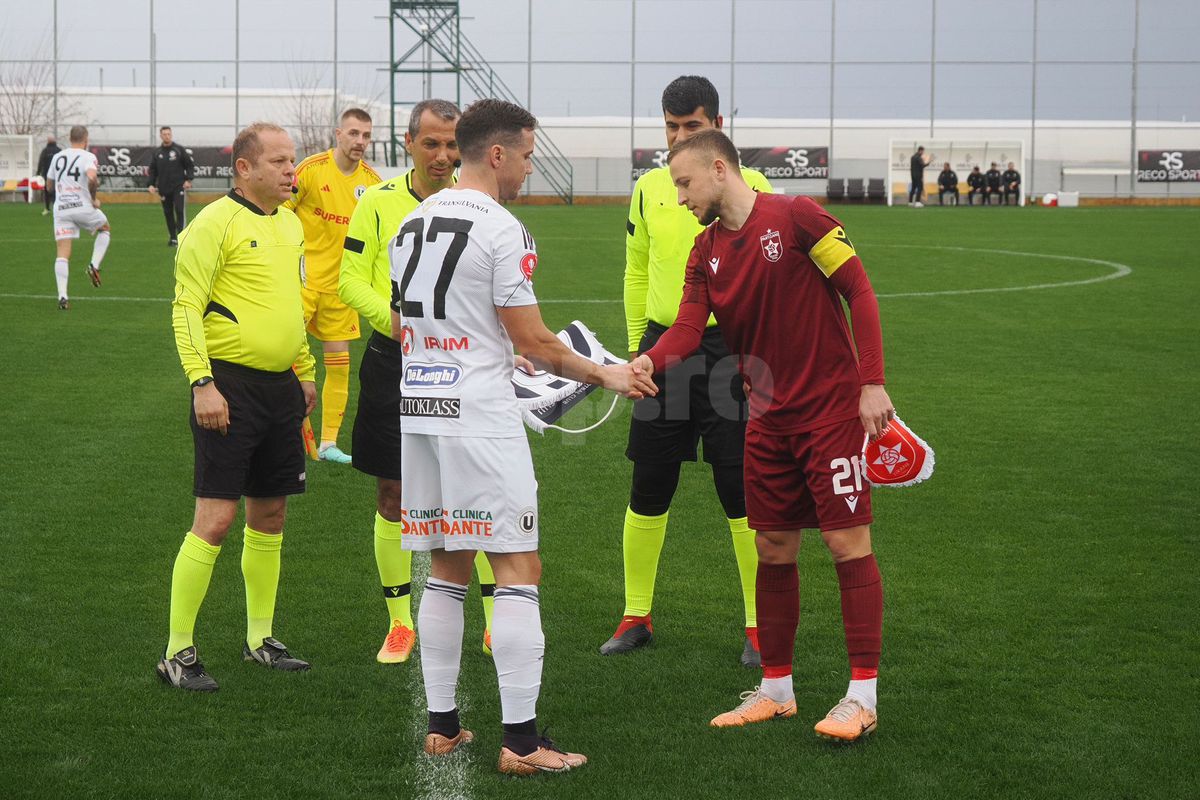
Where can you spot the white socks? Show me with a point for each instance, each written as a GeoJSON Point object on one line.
{"type": "Point", "coordinates": [778, 689]}
{"type": "Point", "coordinates": [62, 271]}
{"type": "Point", "coordinates": [863, 692]}
{"type": "Point", "coordinates": [100, 248]}
{"type": "Point", "coordinates": [517, 648]}
{"type": "Point", "coordinates": [440, 621]}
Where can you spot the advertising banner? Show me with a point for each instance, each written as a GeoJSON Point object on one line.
{"type": "Point", "coordinates": [773, 162]}
{"type": "Point", "coordinates": [1168, 166]}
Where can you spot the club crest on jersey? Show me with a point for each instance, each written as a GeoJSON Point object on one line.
{"type": "Point", "coordinates": [358, 191]}
{"type": "Point", "coordinates": [528, 265]}
{"type": "Point", "coordinates": [772, 245]}
{"type": "Point", "coordinates": [406, 339]}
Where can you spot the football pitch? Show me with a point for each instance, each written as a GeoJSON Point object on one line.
{"type": "Point", "coordinates": [1040, 629]}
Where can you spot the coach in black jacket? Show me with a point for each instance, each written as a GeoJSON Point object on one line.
{"type": "Point", "coordinates": [947, 184]}
{"type": "Point", "coordinates": [994, 185]}
{"type": "Point", "coordinates": [976, 182]}
{"type": "Point", "coordinates": [1012, 184]}
{"type": "Point", "coordinates": [47, 155]}
{"type": "Point", "coordinates": [171, 173]}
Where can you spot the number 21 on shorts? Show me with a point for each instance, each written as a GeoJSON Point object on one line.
{"type": "Point", "coordinates": [848, 468]}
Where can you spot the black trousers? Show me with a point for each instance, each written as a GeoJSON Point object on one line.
{"type": "Point", "coordinates": [48, 198]}
{"type": "Point", "coordinates": [173, 204]}
{"type": "Point", "coordinates": [971, 195]}
{"type": "Point", "coordinates": [1015, 194]}
{"type": "Point", "coordinates": [952, 191]}
{"type": "Point", "coordinates": [916, 188]}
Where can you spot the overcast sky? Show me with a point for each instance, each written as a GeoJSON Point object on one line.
{"type": "Point", "coordinates": [769, 58]}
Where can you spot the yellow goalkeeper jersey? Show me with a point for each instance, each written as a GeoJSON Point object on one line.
{"type": "Point", "coordinates": [324, 201]}
{"type": "Point", "coordinates": [660, 233]}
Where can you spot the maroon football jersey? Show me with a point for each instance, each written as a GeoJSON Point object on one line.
{"type": "Point", "coordinates": [774, 287]}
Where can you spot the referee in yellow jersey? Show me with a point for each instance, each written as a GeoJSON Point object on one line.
{"type": "Point", "coordinates": [703, 403]}
{"type": "Point", "coordinates": [366, 286]}
{"type": "Point", "coordinates": [239, 329]}
{"type": "Point", "coordinates": [328, 186]}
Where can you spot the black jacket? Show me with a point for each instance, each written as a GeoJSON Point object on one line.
{"type": "Point", "coordinates": [1011, 177]}
{"type": "Point", "coordinates": [169, 168]}
{"type": "Point", "coordinates": [48, 153]}
{"type": "Point", "coordinates": [993, 178]}
{"type": "Point", "coordinates": [975, 180]}
{"type": "Point", "coordinates": [948, 179]}
{"type": "Point", "coordinates": [916, 165]}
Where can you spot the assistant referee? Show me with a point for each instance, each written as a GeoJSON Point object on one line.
{"type": "Point", "coordinates": [365, 285]}
{"type": "Point", "coordinates": [239, 329]}
{"type": "Point", "coordinates": [705, 404]}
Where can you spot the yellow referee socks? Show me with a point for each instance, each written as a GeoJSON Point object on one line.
{"type": "Point", "coordinates": [395, 570]}
{"type": "Point", "coordinates": [747, 562]}
{"type": "Point", "coordinates": [642, 545]}
{"type": "Point", "coordinates": [487, 586]}
{"type": "Point", "coordinates": [260, 568]}
{"type": "Point", "coordinates": [189, 583]}
{"type": "Point", "coordinates": [334, 394]}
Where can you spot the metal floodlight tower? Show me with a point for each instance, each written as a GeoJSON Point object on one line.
{"type": "Point", "coordinates": [438, 49]}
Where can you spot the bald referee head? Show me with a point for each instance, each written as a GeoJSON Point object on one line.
{"type": "Point", "coordinates": [264, 165]}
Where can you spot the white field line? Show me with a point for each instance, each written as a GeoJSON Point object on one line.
{"type": "Point", "coordinates": [1118, 270]}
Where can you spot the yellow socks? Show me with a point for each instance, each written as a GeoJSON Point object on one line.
{"type": "Point", "coordinates": [642, 545]}
{"type": "Point", "coordinates": [395, 570]}
{"type": "Point", "coordinates": [747, 562]}
{"type": "Point", "coordinates": [189, 584]}
{"type": "Point", "coordinates": [260, 568]}
{"type": "Point", "coordinates": [334, 394]}
{"type": "Point", "coordinates": [487, 586]}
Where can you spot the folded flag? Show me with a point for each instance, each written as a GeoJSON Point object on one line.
{"type": "Point", "coordinates": [544, 398]}
{"type": "Point", "coordinates": [897, 457]}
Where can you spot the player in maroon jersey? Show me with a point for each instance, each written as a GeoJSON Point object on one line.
{"type": "Point", "coordinates": [773, 269]}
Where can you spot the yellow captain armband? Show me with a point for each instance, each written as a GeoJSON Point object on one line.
{"type": "Point", "coordinates": [832, 251]}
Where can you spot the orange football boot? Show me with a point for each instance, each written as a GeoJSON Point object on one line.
{"type": "Point", "coordinates": [755, 707]}
{"type": "Point", "coordinates": [848, 721]}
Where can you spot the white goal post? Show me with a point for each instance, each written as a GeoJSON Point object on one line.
{"type": "Point", "coordinates": [963, 155]}
{"type": "Point", "coordinates": [16, 163]}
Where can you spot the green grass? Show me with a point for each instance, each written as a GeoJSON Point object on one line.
{"type": "Point", "coordinates": [1041, 615]}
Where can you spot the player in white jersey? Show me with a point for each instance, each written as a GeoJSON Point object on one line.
{"type": "Point", "coordinates": [462, 296]}
{"type": "Point", "coordinates": [74, 178]}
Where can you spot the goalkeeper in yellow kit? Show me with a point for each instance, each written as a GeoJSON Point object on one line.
{"type": "Point", "coordinates": [327, 188]}
{"type": "Point", "coordinates": [365, 285]}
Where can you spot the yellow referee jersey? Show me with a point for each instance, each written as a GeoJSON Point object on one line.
{"type": "Point", "coordinates": [660, 233]}
{"type": "Point", "coordinates": [365, 283]}
{"type": "Point", "coordinates": [237, 290]}
{"type": "Point", "coordinates": [325, 201]}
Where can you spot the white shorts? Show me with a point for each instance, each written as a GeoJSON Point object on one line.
{"type": "Point", "coordinates": [467, 493]}
{"type": "Point", "coordinates": [67, 223]}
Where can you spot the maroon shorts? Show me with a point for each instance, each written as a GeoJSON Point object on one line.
{"type": "Point", "coordinates": [807, 480]}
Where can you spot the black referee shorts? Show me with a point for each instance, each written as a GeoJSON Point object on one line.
{"type": "Point", "coordinates": [701, 398]}
{"type": "Point", "coordinates": [376, 436]}
{"type": "Point", "coordinates": [262, 455]}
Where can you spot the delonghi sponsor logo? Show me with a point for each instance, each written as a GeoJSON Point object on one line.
{"type": "Point", "coordinates": [432, 376]}
{"type": "Point", "coordinates": [445, 407]}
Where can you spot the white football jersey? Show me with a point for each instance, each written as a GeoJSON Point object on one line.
{"type": "Point", "coordinates": [457, 257]}
{"type": "Point", "coordinates": [68, 170]}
